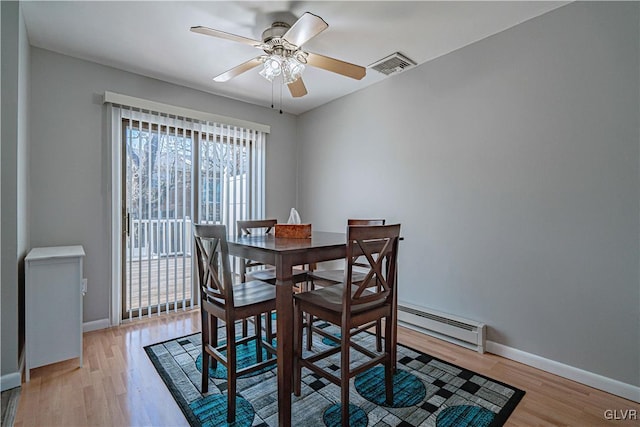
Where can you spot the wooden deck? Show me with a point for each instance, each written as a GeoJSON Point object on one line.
{"type": "Point", "coordinates": [157, 283]}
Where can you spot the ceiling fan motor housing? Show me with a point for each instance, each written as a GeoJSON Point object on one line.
{"type": "Point", "coordinates": [276, 31]}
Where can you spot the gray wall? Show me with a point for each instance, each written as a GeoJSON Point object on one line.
{"type": "Point", "coordinates": [69, 160]}
{"type": "Point", "coordinates": [15, 146]}
{"type": "Point", "coordinates": [9, 277]}
{"type": "Point", "coordinates": [23, 192]}
{"type": "Point", "coordinates": [513, 166]}
{"type": "Point", "coordinates": [15, 212]}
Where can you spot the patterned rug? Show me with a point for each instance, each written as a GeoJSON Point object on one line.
{"type": "Point", "coordinates": [427, 391]}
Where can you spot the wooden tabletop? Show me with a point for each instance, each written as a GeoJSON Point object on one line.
{"type": "Point", "coordinates": [282, 244]}
{"type": "Point", "coordinates": [322, 246]}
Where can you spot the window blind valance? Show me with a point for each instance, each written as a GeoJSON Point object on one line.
{"type": "Point", "coordinates": [145, 104]}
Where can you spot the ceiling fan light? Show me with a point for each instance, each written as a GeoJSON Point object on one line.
{"type": "Point", "coordinates": [274, 62]}
{"type": "Point", "coordinates": [272, 68]}
{"type": "Point", "coordinates": [266, 75]}
{"type": "Point", "coordinates": [292, 70]}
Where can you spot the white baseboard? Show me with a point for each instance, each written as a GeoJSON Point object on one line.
{"type": "Point", "coordinates": [9, 381]}
{"type": "Point", "coordinates": [95, 325]}
{"type": "Point", "coordinates": [14, 379]}
{"type": "Point", "coordinates": [627, 391]}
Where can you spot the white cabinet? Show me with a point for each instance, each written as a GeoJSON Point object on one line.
{"type": "Point", "coordinates": [53, 305]}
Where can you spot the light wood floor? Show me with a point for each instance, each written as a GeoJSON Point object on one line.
{"type": "Point", "coordinates": [118, 386]}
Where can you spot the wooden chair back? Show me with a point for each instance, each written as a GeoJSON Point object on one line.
{"type": "Point", "coordinates": [252, 227]}
{"type": "Point", "coordinates": [214, 271]}
{"type": "Point", "coordinates": [354, 221]}
{"type": "Point", "coordinates": [376, 248]}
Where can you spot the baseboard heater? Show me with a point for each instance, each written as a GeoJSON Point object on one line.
{"type": "Point", "coordinates": [465, 332]}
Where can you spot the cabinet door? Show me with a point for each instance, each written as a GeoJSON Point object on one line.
{"type": "Point", "coordinates": [54, 325]}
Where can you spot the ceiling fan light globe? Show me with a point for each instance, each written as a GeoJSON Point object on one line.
{"type": "Point", "coordinates": [273, 63]}
{"type": "Point", "coordinates": [272, 68]}
{"type": "Point", "coordinates": [268, 73]}
{"type": "Point", "coordinates": [292, 66]}
{"type": "Point", "coordinates": [295, 69]}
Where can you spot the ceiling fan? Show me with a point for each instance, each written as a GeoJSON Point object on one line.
{"type": "Point", "coordinates": [282, 44]}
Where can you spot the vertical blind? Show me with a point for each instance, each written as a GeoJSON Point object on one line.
{"type": "Point", "coordinates": [177, 171]}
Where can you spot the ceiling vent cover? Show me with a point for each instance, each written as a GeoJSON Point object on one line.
{"type": "Point", "coordinates": [393, 64]}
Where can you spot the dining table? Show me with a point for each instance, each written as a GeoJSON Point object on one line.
{"type": "Point", "coordinates": [284, 254]}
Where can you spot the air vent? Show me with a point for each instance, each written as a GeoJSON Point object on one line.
{"type": "Point", "coordinates": [393, 64]}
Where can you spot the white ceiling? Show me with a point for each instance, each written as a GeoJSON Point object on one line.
{"type": "Point", "coordinates": [153, 38]}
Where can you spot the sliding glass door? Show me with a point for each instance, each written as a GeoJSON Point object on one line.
{"type": "Point", "coordinates": [158, 203]}
{"type": "Point", "coordinates": [176, 172]}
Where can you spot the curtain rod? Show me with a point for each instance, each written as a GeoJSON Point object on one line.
{"type": "Point", "coordinates": [145, 104]}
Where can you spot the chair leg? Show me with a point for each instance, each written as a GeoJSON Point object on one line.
{"type": "Point", "coordinates": [204, 321]}
{"type": "Point", "coordinates": [344, 375]}
{"type": "Point", "coordinates": [204, 387]}
{"type": "Point", "coordinates": [245, 328]}
{"type": "Point", "coordinates": [309, 287]}
{"type": "Point", "coordinates": [297, 349]}
{"type": "Point", "coordinates": [213, 331]}
{"type": "Point", "coordinates": [231, 372]}
{"type": "Point", "coordinates": [379, 327]}
{"type": "Point", "coordinates": [388, 365]}
{"type": "Point", "coordinates": [258, 333]}
{"type": "Point", "coordinates": [243, 278]}
{"type": "Point", "coordinates": [269, 332]}
{"type": "Point", "coordinates": [309, 328]}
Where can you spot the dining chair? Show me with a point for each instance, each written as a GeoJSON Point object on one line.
{"type": "Point", "coordinates": [333, 277]}
{"type": "Point", "coordinates": [221, 299]}
{"type": "Point", "coordinates": [350, 305]}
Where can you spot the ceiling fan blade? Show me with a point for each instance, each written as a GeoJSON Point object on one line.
{"type": "Point", "coordinates": [223, 35]}
{"type": "Point", "coordinates": [337, 66]}
{"type": "Point", "coordinates": [236, 71]}
{"type": "Point", "coordinates": [297, 88]}
{"type": "Point", "coordinates": [304, 29]}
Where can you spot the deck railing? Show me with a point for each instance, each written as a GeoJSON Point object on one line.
{"type": "Point", "coordinates": [152, 238]}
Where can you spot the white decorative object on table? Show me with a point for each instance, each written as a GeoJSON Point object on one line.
{"type": "Point", "coordinates": [294, 217]}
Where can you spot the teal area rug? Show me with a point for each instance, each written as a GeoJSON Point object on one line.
{"type": "Point", "coordinates": [427, 391]}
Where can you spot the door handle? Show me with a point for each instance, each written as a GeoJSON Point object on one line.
{"type": "Point", "coordinates": [127, 222]}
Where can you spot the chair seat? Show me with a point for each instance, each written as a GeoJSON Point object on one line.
{"type": "Point", "coordinates": [330, 298]}
{"type": "Point", "coordinates": [251, 293]}
{"type": "Point", "coordinates": [335, 276]}
{"type": "Point", "coordinates": [269, 275]}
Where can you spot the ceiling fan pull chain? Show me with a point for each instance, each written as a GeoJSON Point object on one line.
{"type": "Point", "coordinates": [281, 94]}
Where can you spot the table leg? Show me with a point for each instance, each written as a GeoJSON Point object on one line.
{"type": "Point", "coordinates": [394, 327]}
{"type": "Point", "coordinates": [284, 309]}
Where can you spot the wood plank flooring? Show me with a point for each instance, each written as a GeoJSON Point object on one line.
{"type": "Point", "coordinates": [118, 386]}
